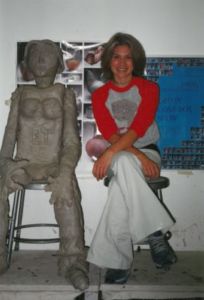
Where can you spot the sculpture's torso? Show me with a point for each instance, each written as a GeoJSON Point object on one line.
{"type": "Point", "coordinates": [40, 124]}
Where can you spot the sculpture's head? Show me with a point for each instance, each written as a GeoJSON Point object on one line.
{"type": "Point", "coordinates": [43, 58]}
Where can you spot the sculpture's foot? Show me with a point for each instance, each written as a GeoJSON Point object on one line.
{"type": "Point", "coordinates": [3, 264]}
{"type": "Point", "coordinates": [78, 278]}
{"type": "Point", "coordinates": [75, 270]}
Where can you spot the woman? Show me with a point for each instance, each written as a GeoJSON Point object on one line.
{"type": "Point", "coordinates": [125, 109]}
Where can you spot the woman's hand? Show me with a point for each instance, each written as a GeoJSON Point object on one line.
{"type": "Point", "coordinates": [102, 164]}
{"type": "Point", "coordinates": [149, 167]}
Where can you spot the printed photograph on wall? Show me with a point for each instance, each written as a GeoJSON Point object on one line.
{"type": "Point", "coordinates": [181, 111]}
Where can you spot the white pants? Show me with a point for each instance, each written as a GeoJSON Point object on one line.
{"type": "Point", "coordinates": [131, 213]}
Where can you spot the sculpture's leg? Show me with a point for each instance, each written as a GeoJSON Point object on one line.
{"type": "Point", "coordinates": [72, 257]}
{"type": "Point", "coordinates": [3, 232]}
{"type": "Point", "coordinates": [21, 177]}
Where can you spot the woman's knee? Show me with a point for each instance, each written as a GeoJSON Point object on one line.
{"type": "Point", "coordinates": [96, 146]}
{"type": "Point", "coordinates": [123, 157]}
{"type": "Point", "coordinates": [125, 160]}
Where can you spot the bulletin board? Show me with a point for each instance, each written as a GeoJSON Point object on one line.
{"type": "Point", "coordinates": [181, 111]}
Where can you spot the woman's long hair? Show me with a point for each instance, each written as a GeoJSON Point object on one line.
{"type": "Point", "coordinates": [137, 52]}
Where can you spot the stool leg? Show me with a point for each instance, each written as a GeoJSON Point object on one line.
{"type": "Point", "coordinates": [4, 220]}
{"type": "Point", "coordinates": [19, 220]}
{"type": "Point", "coordinates": [12, 226]}
{"type": "Point", "coordinates": [160, 197]}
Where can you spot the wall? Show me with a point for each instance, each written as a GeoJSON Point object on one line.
{"type": "Point", "coordinates": [165, 27]}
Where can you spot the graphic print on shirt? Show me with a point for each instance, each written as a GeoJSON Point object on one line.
{"type": "Point", "coordinates": [123, 107]}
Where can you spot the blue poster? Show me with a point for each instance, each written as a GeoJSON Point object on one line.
{"type": "Point", "coordinates": [181, 111]}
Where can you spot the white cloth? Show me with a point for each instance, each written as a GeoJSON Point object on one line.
{"type": "Point", "coordinates": [131, 213]}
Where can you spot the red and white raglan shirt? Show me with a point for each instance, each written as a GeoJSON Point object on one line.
{"type": "Point", "coordinates": [117, 109]}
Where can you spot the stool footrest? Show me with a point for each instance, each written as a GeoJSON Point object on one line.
{"type": "Point", "coordinates": [36, 241]}
{"type": "Point", "coordinates": [35, 225]}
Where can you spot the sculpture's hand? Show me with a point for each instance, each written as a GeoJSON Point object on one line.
{"type": "Point", "coordinates": [62, 190]}
{"type": "Point", "coordinates": [10, 171]}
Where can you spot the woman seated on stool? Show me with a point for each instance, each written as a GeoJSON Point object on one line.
{"type": "Point", "coordinates": [125, 108]}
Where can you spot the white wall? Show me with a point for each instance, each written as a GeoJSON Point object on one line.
{"type": "Point", "coordinates": [165, 27]}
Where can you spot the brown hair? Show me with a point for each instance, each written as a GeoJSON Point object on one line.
{"type": "Point", "coordinates": [136, 48]}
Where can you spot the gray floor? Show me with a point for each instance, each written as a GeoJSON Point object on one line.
{"type": "Point", "coordinates": [33, 275]}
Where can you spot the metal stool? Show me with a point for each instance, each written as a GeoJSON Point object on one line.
{"type": "Point", "coordinates": [15, 221]}
{"type": "Point", "coordinates": [156, 184]}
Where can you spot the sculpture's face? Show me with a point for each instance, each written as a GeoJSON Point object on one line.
{"type": "Point", "coordinates": [42, 60]}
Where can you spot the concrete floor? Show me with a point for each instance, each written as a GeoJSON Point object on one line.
{"type": "Point", "coordinates": [33, 276]}
{"type": "Point", "coordinates": [185, 279]}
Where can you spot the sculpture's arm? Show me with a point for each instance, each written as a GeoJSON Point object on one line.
{"type": "Point", "coordinates": [62, 187]}
{"type": "Point", "coordinates": [7, 165]}
{"type": "Point", "coordinates": [9, 139]}
{"type": "Point", "coordinates": [71, 146]}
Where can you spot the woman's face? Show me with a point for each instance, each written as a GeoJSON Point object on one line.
{"type": "Point", "coordinates": [121, 65]}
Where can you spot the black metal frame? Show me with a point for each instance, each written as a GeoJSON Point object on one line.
{"type": "Point", "coordinates": [15, 222]}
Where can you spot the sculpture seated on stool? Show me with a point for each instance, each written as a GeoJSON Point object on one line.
{"type": "Point", "coordinates": [42, 125]}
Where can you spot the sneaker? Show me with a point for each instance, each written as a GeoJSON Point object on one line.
{"type": "Point", "coordinates": [162, 253]}
{"type": "Point", "coordinates": [117, 276]}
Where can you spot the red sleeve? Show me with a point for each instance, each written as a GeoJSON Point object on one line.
{"type": "Point", "coordinates": [147, 109]}
{"type": "Point", "coordinates": [104, 121]}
